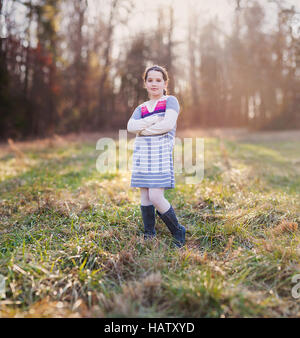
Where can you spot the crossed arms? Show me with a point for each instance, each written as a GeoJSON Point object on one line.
{"type": "Point", "coordinates": [154, 124]}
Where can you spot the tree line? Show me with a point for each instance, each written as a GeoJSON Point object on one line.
{"type": "Point", "coordinates": [65, 70]}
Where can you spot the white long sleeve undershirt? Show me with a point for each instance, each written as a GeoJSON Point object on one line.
{"type": "Point", "coordinates": [136, 126]}
{"type": "Point", "coordinates": [163, 125]}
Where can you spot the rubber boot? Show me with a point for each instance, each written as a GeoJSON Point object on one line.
{"type": "Point", "coordinates": [148, 215]}
{"type": "Point", "coordinates": [176, 229]}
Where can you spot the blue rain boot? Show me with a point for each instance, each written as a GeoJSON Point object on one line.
{"type": "Point", "coordinates": [148, 215]}
{"type": "Point", "coordinates": [176, 229]}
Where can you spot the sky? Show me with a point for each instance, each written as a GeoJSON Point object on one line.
{"type": "Point", "coordinates": [223, 9]}
{"type": "Point", "coordinates": [145, 14]}
{"type": "Point", "coordinates": [145, 17]}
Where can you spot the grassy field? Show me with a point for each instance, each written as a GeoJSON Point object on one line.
{"type": "Point", "coordinates": [71, 241]}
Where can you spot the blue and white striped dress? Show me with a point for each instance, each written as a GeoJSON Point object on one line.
{"type": "Point", "coordinates": [152, 160]}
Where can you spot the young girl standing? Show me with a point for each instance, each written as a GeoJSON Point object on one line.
{"type": "Point", "coordinates": [154, 123]}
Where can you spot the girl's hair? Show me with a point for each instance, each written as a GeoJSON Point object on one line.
{"type": "Point", "coordinates": [157, 69]}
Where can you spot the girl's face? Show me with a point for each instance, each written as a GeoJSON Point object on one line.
{"type": "Point", "coordinates": [155, 84]}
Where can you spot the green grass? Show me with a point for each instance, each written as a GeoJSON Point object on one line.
{"type": "Point", "coordinates": [71, 241]}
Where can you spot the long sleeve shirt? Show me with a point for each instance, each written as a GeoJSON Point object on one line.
{"type": "Point", "coordinates": [155, 124]}
{"type": "Point", "coordinates": [163, 125]}
{"type": "Point", "coordinates": [136, 126]}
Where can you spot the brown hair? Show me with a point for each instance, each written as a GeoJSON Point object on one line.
{"type": "Point", "coordinates": [157, 69]}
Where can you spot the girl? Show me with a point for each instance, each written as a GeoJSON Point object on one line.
{"type": "Point", "coordinates": [154, 123]}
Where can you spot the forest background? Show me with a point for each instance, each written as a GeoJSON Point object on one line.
{"type": "Point", "coordinates": [76, 66]}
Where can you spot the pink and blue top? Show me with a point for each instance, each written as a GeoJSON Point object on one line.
{"type": "Point", "coordinates": [164, 103]}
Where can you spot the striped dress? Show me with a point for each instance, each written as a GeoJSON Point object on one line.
{"type": "Point", "coordinates": [152, 161]}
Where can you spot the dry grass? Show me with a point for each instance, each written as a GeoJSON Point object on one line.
{"type": "Point", "coordinates": [72, 245]}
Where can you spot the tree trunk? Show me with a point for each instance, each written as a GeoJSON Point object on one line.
{"type": "Point", "coordinates": [103, 100]}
